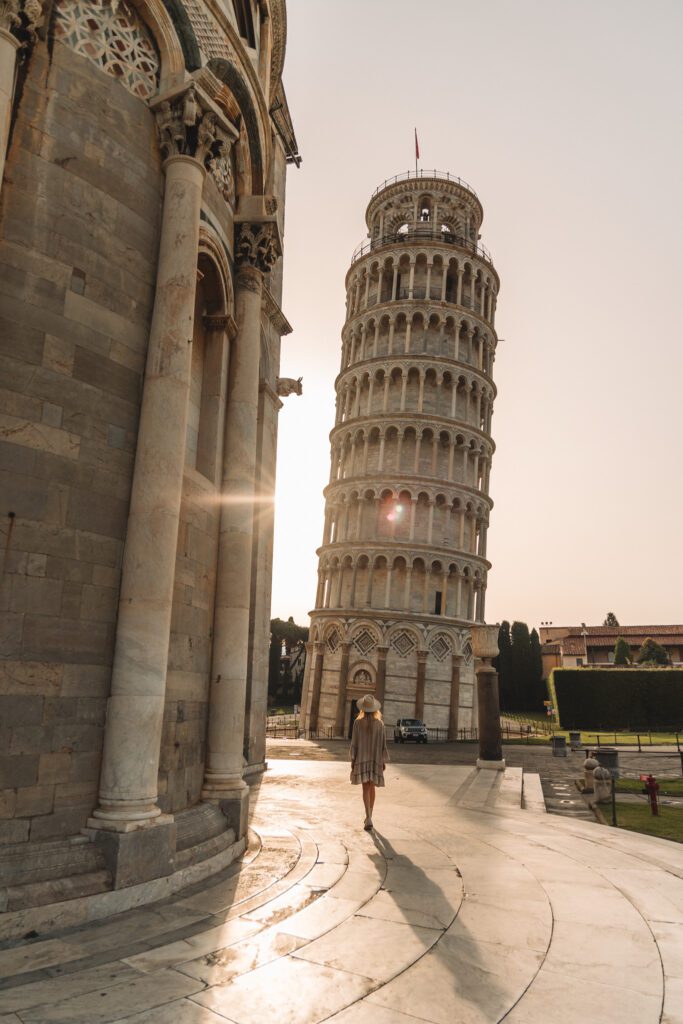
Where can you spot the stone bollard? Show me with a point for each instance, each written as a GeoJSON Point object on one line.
{"type": "Point", "coordinates": [602, 785]}
{"type": "Point", "coordinates": [589, 765]}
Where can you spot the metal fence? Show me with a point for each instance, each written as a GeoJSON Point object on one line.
{"type": "Point", "coordinates": [643, 739]}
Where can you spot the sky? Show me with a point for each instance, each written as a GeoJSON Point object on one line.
{"type": "Point", "coordinates": [565, 117]}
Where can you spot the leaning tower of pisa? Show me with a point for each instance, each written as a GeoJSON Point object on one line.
{"type": "Point", "coordinates": [403, 567]}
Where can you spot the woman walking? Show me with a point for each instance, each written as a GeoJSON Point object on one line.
{"type": "Point", "coordinates": [368, 752]}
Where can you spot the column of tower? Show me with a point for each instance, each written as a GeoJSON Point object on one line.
{"type": "Point", "coordinates": [403, 567]}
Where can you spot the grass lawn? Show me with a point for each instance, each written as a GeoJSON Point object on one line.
{"type": "Point", "coordinates": [638, 818]}
{"type": "Point", "coordinates": [667, 787]}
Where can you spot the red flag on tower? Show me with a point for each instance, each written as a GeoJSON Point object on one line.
{"type": "Point", "coordinates": [417, 147]}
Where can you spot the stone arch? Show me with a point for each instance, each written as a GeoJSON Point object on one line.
{"type": "Point", "coordinates": [257, 147]}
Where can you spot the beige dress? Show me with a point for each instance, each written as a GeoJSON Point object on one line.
{"type": "Point", "coordinates": [368, 751]}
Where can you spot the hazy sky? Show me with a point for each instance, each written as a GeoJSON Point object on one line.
{"type": "Point", "coordinates": [565, 117]}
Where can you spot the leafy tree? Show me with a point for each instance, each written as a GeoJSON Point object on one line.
{"type": "Point", "coordinates": [522, 666]}
{"type": "Point", "coordinates": [652, 653]}
{"type": "Point", "coordinates": [285, 635]}
{"type": "Point", "coordinates": [622, 652]}
{"type": "Point", "coordinates": [611, 620]}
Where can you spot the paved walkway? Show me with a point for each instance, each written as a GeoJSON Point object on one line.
{"type": "Point", "coordinates": [461, 907]}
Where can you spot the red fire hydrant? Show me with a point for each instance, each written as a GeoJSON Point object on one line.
{"type": "Point", "coordinates": [651, 787]}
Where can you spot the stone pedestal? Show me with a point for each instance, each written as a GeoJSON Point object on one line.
{"type": "Point", "coordinates": [141, 855]}
{"type": "Point", "coordinates": [488, 706]}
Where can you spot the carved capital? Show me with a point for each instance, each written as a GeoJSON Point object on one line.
{"type": "Point", "coordinates": [9, 14]}
{"type": "Point", "coordinates": [257, 245]}
{"type": "Point", "coordinates": [187, 126]}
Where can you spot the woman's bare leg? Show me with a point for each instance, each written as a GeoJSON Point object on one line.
{"type": "Point", "coordinates": [371, 797]}
{"type": "Point", "coordinates": [366, 799]}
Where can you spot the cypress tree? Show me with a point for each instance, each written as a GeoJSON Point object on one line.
{"type": "Point", "coordinates": [622, 652]}
{"type": "Point", "coordinates": [522, 671]}
{"type": "Point", "coordinates": [503, 665]}
{"type": "Point", "coordinates": [537, 671]}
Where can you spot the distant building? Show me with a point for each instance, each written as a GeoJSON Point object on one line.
{"type": "Point", "coordinates": [574, 646]}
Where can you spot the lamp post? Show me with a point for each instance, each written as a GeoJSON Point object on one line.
{"type": "Point", "coordinates": [485, 648]}
{"type": "Point", "coordinates": [584, 634]}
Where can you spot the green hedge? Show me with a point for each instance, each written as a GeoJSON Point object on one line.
{"type": "Point", "coordinates": [616, 698]}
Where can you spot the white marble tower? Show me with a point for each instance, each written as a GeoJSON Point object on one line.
{"type": "Point", "coordinates": [403, 565]}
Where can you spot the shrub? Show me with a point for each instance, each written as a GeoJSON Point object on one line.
{"type": "Point", "coordinates": [631, 699]}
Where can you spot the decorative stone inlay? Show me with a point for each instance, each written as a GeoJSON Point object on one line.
{"type": "Point", "coordinates": [257, 245]}
{"type": "Point", "coordinates": [364, 642]}
{"type": "Point", "coordinates": [333, 640]}
{"type": "Point", "coordinates": [440, 647]}
{"type": "Point", "coordinates": [403, 644]}
{"type": "Point", "coordinates": [210, 37]}
{"type": "Point", "coordinates": [112, 35]}
{"type": "Point", "coordinates": [467, 652]}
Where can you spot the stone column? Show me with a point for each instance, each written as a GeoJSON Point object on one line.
{"type": "Point", "coordinates": [135, 711]}
{"type": "Point", "coordinates": [316, 685]}
{"type": "Point", "coordinates": [9, 44]}
{"type": "Point", "coordinates": [257, 248]}
{"type": "Point", "coordinates": [341, 696]}
{"type": "Point", "coordinates": [381, 673]}
{"type": "Point", "coordinates": [488, 706]}
{"type": "Point", "coordinates": [454, 709]}
{"type": "Point", "coordinates": [420, 685]}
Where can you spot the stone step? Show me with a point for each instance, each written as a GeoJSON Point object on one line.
{"type": "Point", "coordinates": [23, 864]}
{"type": "Point", "coordinates": [41, 894]}
{"type": "Point", "coordinates": [508, 793]}
{"type": "Point", "coordinates": [479, 789]}
{"type": "Point", "coordinates": [532, 793]}
{"type": "Point", "coordinates": [202, 851]}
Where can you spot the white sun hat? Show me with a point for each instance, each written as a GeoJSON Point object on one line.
{"type": "Point", "coordinates": [368, 704]}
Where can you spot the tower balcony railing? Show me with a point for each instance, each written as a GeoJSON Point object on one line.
{"type": "Point", "coordinates": [423, 233]}
{"type": "Point", "coordinates": [407, 175]}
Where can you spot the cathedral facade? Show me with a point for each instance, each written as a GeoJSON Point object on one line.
{"type": "Point", "coordinates": [403, 567]}
{"type": "Point", "coordinates": [145, 145]}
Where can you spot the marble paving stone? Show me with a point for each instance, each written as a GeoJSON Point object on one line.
{"type": "Point", "coordinates": [376, 949]}
{"type": "Point", "coordinates": [116, 1002]}
{"type": "Point", "coordinates": [51, 990]}
{"type": "Point", "coordinates": [370, 862]}
{"type": "Point", "coordinates": [365, 1012]}
{"type": "Point", "coordinates": [288, 991]}
{"type": "Point", "coordinates": [673, 1002]}
{"type": "Point", "coordinates": [411, 908]}
{"type": "Point", "coordinates": [10, 1018]}
{"type": "Point", "coordinates": [484, 921]}
{"type": "Point", "coordinates": [188, 949]}
{"type": "Point", "coordinates": [221, 967]}
{"type": "Point", "coordinates": [355, 885]}
{"type": "Point", "coordinates": [322, 876]}
{"type": "Point", "coordinates": [332, 853]}
{"type": "Point", "coordinates": [182, 1011]}
{"type": "Point", "coordinates": [35, 955]}
{"type": "Point", "coordinates": [319, 918]}
{"type": "Point", "coordinates": [415, 852]}
{"type": "Point", "coordinates": [461, 980]}
{"type": "Point", "coordinates": [659, 897]}
{"type": "Point", "coordinates": [272, 911]}
{"type": "Point", "coordinates": [626, 958]}
{"type": "Point", "coordinates": [669, 938]}
{"type": "Point", "coordinates": [574, 1001]}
